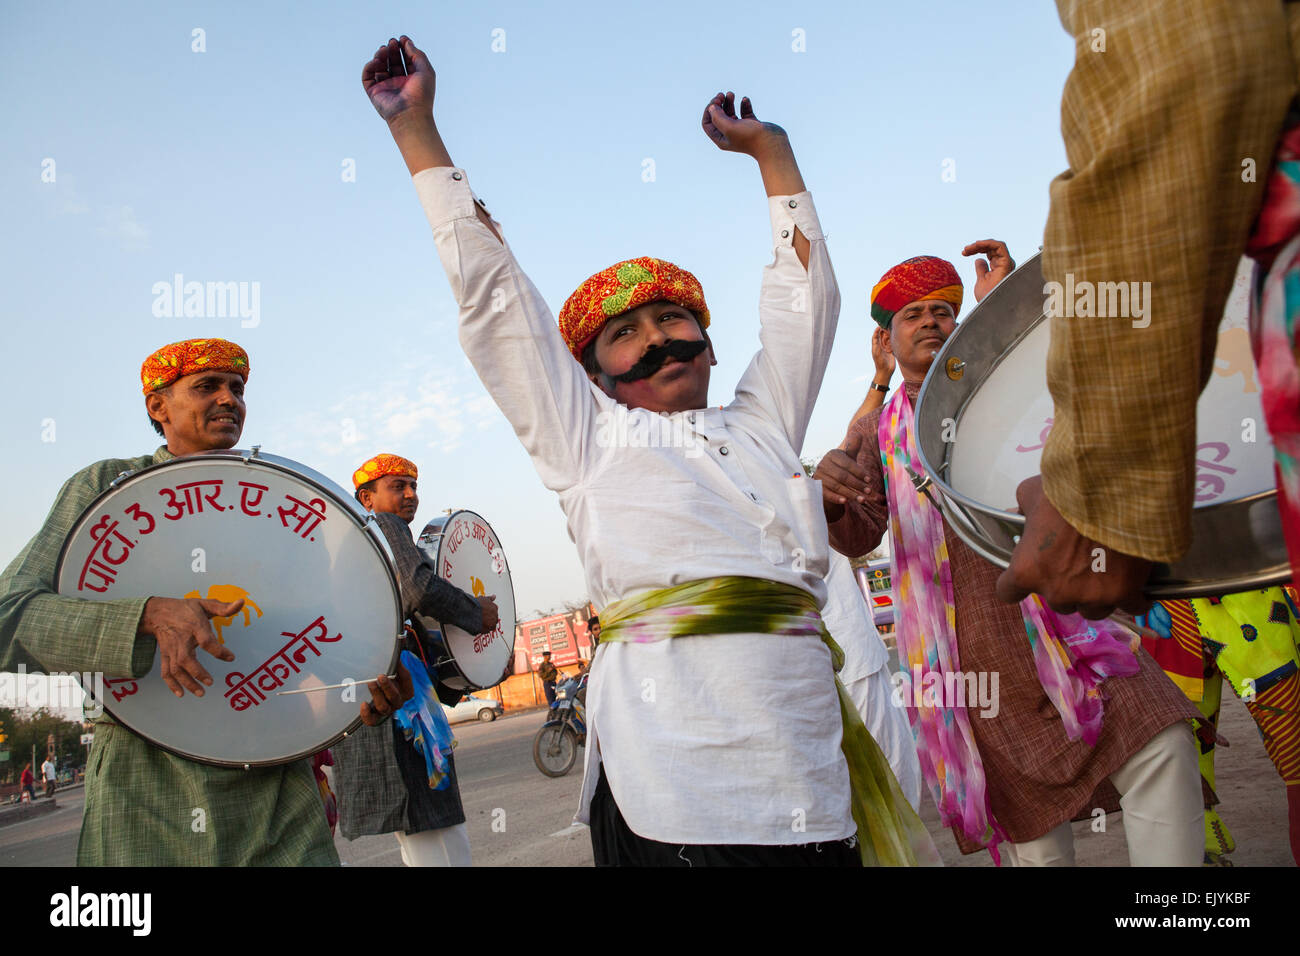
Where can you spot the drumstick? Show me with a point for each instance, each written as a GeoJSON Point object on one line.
{"type": "Point", "coordinates": [308, 690]}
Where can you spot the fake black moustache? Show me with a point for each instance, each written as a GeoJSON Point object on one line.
{"type": "Point", "coordinates": [654, 359]}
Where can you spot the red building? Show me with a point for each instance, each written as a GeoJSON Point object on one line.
{"type": "Point", "coordinates": [564, 635]}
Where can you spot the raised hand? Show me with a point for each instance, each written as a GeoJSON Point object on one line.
{"type": "Point", "coordinates": [738, 134]}
{"type": "Point", "coordinates": [180, 625]}
{"type": "Point", "coordinates": [880, 354]}
{"type": "Point", "coordinates": [999, 265]}
{"type": "Point", "coordinates": [399, 79]}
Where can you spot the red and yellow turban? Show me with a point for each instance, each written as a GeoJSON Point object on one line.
{"type": "Point", "coordinates": [382, 465]}
{"type": "Point", "coordinates": [189, 357]}
{"type": "Point", "coordinates": [622, 287]}
{"type": "Point", "coordinates": [915, 280]}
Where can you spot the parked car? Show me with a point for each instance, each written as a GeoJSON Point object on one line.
{"type": "Point", "coordinates": [474, 708]}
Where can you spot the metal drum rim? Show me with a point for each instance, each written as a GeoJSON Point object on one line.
{"type": "Point", "coordinates": [446, 519]}
{"type": "Point", "coordinates": [1157, 587]}
{"type": "Point", "coordinates": [366, 525]}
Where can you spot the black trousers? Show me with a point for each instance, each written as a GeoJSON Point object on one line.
{"type": "Point", "coordinates": [614, 844]}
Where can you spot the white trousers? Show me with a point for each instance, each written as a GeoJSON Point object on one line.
{"type": "Point", "coordinates": [873, 695]}
{"type": "Point", "coordinates": [446, 847]}
{"type": "Point", "coordinates": [1164, 813]}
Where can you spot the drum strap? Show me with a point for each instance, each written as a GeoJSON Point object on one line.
{"type": "Point", "coordinates": [889, 831]}
{"type": "Point", "coordinates": [419, 646]}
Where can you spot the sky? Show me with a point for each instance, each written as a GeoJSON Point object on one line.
{"type": "Point", "coordinates": [233, 142]}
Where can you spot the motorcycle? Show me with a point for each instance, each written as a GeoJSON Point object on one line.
{"type": "Point", "coordinates": [555, 747]}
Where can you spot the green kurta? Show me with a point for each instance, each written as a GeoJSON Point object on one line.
{"type": "Point", "coordinates": [144, 806]}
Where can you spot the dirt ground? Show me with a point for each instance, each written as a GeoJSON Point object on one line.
{"type": "Point", "coordinates": [1252, 802]}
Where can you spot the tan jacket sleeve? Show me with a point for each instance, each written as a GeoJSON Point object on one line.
{"type": "Point", "coordinates": [1160, 115]}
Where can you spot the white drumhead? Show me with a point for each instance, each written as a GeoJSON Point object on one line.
{"type": "Point", "coordinates": [322, 604]}
{"type": "Point", "coordinates": [467, 553]}
{"type": "Point", "coordinates": [1005, 423]}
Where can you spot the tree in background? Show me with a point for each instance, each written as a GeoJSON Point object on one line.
{"type": "Point", "coordinates": [24, 728]}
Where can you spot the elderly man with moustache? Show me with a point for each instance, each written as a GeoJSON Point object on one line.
{"type": "Point", "coordinates": [1051, 750]}
{"type": "Point", "coordinates": [140, 798]}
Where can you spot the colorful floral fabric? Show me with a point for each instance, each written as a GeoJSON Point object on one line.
{"type": "Point", "coordinates": [915, 280]}
{"type": "Point", "coordinates": [384, 464]}
{"type": "Point", "coordinates": [622, 287]}
{"type": "Point", "coordinates": [1253, 639]}
{"type": "Point", "coordinates": [190, 357]}
{"type": "Point", "coordinates": [1275, 325]}
{"type": "Point", "coordinates": [1073, 656]}
{"type": "Point", "coordinates": [424, 724]}
{"type": "Point", "coordinates": [889, 831]}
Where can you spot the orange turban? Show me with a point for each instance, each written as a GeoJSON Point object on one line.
{"type": "Point", "coordinates": [189, 357]}
{"type": "Point", "coordinates": [916, 280]}
{"type": "Point", "coordinates": [382, 465]}
{"type": "Point", "coordinates": [621, 288]}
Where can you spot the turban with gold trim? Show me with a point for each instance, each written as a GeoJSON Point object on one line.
{"type": "Point", "coordinates": [915, 280]}
{"type": "Point", "coordinates": [621, 288]}
{"type": "Point", "coordinates": [190, 357]}
{"type": "Point", "coordinates": [382, 465]}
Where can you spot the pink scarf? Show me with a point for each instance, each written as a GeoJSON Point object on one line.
{"type": "Point", "coordinates": [1072, 655]}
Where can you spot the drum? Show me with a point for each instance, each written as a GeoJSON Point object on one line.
{"type": "Point", "coordinates": [984, 412]}
{"type": "Point", "coordinates": [466, 551]}
{"type": "Point", "coordinates": [321, 601]}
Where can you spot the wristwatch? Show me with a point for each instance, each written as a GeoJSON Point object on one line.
{"type": "Point", "coordinates": [880, 388]}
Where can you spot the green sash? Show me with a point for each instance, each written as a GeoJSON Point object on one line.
{"type": "Point", "coordinates": [889, 831]}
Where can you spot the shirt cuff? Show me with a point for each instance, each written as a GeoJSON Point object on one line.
{"type": "Point", "coordinates": [445, 195]}
{"type": "Point", "coordinates": [787, 212]}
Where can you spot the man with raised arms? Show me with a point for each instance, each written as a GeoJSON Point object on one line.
{"type": "Point", "coordinates": [715, 716]}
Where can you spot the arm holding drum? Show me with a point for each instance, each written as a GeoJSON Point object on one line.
{"type": "Point", "coordinates": [422, 589]}
{"type": "Point", "coordinates": [45, 631]}
{"type": "Point", "coordinates": [1170, 212]}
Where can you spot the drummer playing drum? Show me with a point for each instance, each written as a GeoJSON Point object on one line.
{"type": "Point", "coordinates": [1044, 752]}
{"type": "Point", "coordinates": [383, 785]}
{"type": "Point", "coordinates": [145, 806]}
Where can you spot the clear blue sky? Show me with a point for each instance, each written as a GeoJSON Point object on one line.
{"type": "Point", "coordinates": [226, 165]}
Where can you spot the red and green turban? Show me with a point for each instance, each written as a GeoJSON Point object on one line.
{"type": "Point", "coordinates": [915, 280]}
{"type": "Point", "coordinates": [382, 465]}
{"type": "Point", "coordinates": [621, 288]}
{"type": "Point", "coordinates": [190, 357]}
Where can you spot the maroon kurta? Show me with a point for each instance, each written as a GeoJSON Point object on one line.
{"type": "Point", "coordinates": [1037, 779]}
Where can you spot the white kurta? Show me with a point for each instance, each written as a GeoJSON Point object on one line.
{"type": "Point", "coordinates": [719, 739]}
{"type": "Point", "coordinates": [867, 678]}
